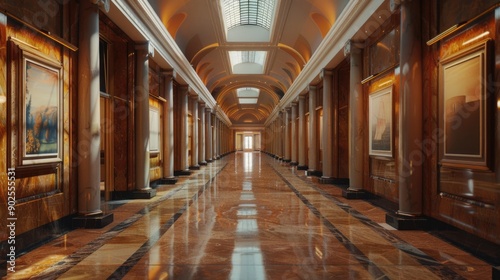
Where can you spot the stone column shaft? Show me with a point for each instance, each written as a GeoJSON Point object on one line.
{"type": "Point", "coordinates": [141, 112]}
{"type": "Point", "coordinates": [313, 130]}
{"type": "Point", "coordinates": [287, 135]}
{"type": "Point", "coordinates": [302, 133]}
{"type": "Point", "coordinates": [327, 123]}
{"type": "Point", "coordinates": [294, 148]}
{"type": "Point", "coordinates": [209, 137]}
{"type": "Point", "coordinates": [168, 126]}
{"type": "Point", "coordinates": [184, 101]}
{"type": "Point", "coordinates": [89, 196]}
{"type": "Point", "coordinates": [202, 130]}
{"type": "Point", "coordinates": [410, 104]}
{"type": "Point", "coordinates": [195, 145]}
{"type": "Point", "coordinates": [356, 120]}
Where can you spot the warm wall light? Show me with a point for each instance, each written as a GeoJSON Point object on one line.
{"type": "Point", "coordinates": [498, 104]}
{"type": "Point", "coordinates": [444, 34]}
{"type": "Point", "coordinates": [476, 38]}
{"type": "Point", "coordinates": [3, 99]}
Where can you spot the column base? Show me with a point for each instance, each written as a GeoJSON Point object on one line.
{"type": "Point", "coordinates": [142, 194]}
{"type": "Point", "coordinates": [334, 181]}
{"type": "Point", "coordinates": [95, 221]}
{"type": "Point", "coordinates": [203, 163]}
{"type": "Point", "coordinates": [354, 194]}
{"type": "Point", "coordinates": [315, 173]}
{"type": "Point", "coordinates": [209, 160]}
{"type": "Point", "coordinates": [194, 167]}
{"type": "Point", "coordinates": [302, 167]}
{"type": "Point", "coordinates": [182, 173]}
{"type": "Point", "coordinates": [401, 222]}
{"type": "Point", "coordinates": [168, 181]}
{"type": "Point", "coordinates": [294, 163]}
{"type": "Point", "coordinates": [287, 160]}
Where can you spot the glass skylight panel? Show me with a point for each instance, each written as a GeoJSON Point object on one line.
{"type": "Point", "coordinates": [248, 92]}
{"type": "Point", "coordinates": [248, 100]}
{"type": "Point", "coordinates": [247, 62]}
{"type": "Point", "coordinates": [248, 12]}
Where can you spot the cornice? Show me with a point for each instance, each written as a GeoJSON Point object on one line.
{"type": "Point", "coordinates": [142, 16]}
{"type": "Point", "coordinates": [355, 14]}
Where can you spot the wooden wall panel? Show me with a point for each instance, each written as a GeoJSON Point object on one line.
{"type": "Point", "coordinates": [466, 197]}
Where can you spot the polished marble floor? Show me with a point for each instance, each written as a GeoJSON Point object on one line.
{"type": "Point", "coordinates": [248, 216]}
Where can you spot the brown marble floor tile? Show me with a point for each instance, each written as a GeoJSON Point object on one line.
{"type": "Point", "coordinates": [257, 219]}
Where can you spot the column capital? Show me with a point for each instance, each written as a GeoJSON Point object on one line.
{"type": "Point", "coordinates": [146, 47]}
{"type": "Point", "coordinates": [312, 88]}
{"type": "Point", "coordinates": [326, 72]}
{"type": "Point", "coordinates": [167, 73]}
{"type": "Point", "coordinates": [103, 4]}
{"type": "Point", "coordinates": [353, 47]}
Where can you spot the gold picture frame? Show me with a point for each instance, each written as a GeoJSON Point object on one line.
{"type": "Point", "coordinates": [40, 107]}
{"type": "Point", "coordinates": [380, 122]}
{"type": "Point", "coordinates": [464, 107]}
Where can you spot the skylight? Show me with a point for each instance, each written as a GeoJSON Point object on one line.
{"type": "Point", "coordinates": [248, 100]}
{"type": "Point", "coordinates": [248, 95]}
{"type": "Point", "coordinates": [248, 20]}
{"type": "Point", "coordinates": [247, 92]}
{"type": "Point", "coordinates": [247, 62]}
{"type": "Point", "coordinates": [248, 12]}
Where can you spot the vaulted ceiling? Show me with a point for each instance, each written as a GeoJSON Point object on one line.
{"type": "Point", "coordinates": [248, 52]}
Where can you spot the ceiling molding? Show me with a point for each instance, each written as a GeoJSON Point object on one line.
{"type": "Point", "coordinates": [146, 21]}
{"type": "Point", "coordinates": [354, 15]}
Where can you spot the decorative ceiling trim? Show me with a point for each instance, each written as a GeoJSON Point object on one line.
{"type": "Point", "coordinates": [146, 21]}
{"type": "Point", "coordinates": [355, 14]}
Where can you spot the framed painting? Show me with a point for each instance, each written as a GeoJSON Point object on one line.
{"type": "Point", "coordinates": [41, 86]}
{"type": "Point", "coordinates": [154, 130]}
{"type": "Point", "coordinates": [463, 99]}
{"type": "Point", "coordinates": [380, 122]}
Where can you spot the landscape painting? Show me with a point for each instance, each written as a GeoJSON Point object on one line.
{"type": "Point", "coordinates": [41, 125]}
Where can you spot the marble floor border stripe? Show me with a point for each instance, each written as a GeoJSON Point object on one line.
{"type": "Point", "coordinates": [136, 257]}
{"type": "Point", "coordinates": [371, 267]}
{"type": "Point", "coordinates": [70, 261]}
{"type": "Point", "coordinates": [430, 263]}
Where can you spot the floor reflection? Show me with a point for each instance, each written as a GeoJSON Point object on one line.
{"type": "Point", "coordinates": [247, 260]}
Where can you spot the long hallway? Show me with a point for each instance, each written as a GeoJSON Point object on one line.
{"type": "Point", "coordinates": [248, 216]}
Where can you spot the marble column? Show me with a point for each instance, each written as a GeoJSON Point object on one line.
{"type": "Point", "coordinates": [89, 194]}
{"type": "Point", "coordinates": [202, 131]}
{"type": "Point", "coordinates": [141, 113]}
{"type": "Point", "coordinates": [184, 104]}
{"type": "Point", "coordinates": [194, 142]}
{"type": "Point", "coordinates": [168, 129]}
{"type": "Point", "coordinates": [287, 135]}
{"type": "Point", "coordinates": [209, 137]}
{"type": "Point", "coordinates": [327, 156]}
{"type": "Point", "coordinates": [274, 138]}
{"type": "Point", "coordinates": [216, 137]}
{"type": "Point", "coordinates": [356, 121]}
{"type": "Point", "coordinates": [302, 134]}
{"type": "Point", "coordinates": [409, 156]}
{"type": "Point", "coordinates": [281, 132]}
{"type": "Point", "coordinates": [294, 148]}
{"type": "Point", "coordinates": [313, 134]}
